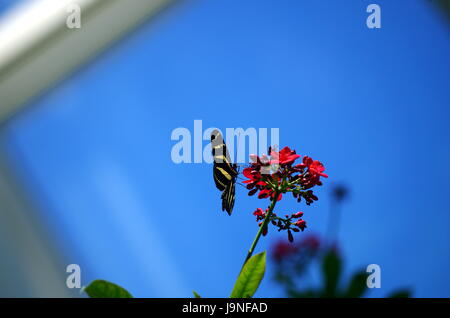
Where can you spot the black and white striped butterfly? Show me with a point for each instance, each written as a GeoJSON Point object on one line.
{"type": "Point", "coordinates": [224, 172]}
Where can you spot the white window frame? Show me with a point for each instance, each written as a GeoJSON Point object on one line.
{"type": "Point", "coordinates": [37, 50]}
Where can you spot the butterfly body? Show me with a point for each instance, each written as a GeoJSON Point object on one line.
{"type": "Point", "coordinates": [224, 172]}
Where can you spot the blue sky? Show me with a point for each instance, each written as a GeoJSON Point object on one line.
{"type": "Point", "coordinates": [372, 105]}
{"type": "Point", "coordinates": [7, 4]}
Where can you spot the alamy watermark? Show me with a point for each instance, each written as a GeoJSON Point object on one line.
{"type": "Point", "coordinates": [374, 278]}
{"type": "Point", "coordinates": [196, 147]}
{"type": "Point", "coordinates": [74, 278]}
{"type": "Point", "coordinates": [374, 19]}
{"type": "Point", "coordinates": [73, 20]}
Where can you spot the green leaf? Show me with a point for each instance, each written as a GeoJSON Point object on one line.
{"type": "Point", "coordinates": [104, 289]}
{"type": "Point", "coordinates": [403, 293]}
{"type": "Point", "coordinates": [357, 286]}
{"type": "Point", "coordinates": [196, 295]}
{"type": "Point", "coordinates": [331, 269]}
{"type": "Point", "coordinates": [250, 277]}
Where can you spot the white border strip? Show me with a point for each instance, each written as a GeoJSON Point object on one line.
{"type": "Point", "coordinates": [37, 48]}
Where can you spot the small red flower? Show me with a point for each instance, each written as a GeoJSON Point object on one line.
{"type": "Point", "coordinates": [301, 224]}
{"type": "Point", "coordinates": [260, 214]}
{"type": "Point", "coordinates": [297, 215]}
{"type": "Point", "coordinates": [284, 157]}
{"type": "Point", "coordinates": [315, 167]}
{"type": "Point", "coordinates": [310, 172]}
{"type": "Point", "coordinates": [252, 174]}
{"type": "Point", "coordinates": [264, 193]}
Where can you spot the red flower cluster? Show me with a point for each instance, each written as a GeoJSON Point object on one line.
{"type": "Point", "coordinates": [277, 175]}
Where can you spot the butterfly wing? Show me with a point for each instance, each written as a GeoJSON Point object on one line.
{"type": "Point", "coordinates": [228, 196]}
{"type": "Point", "coordinates": [224, 172]}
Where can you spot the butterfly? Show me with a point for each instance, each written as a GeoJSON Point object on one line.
{"type": "Point", "coordinates": [224, 172]}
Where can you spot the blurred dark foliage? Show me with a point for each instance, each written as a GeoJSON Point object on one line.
{"type": "Point", "coordinates": [295, 262]}
{"type": "Point", "coordinates": [340, 192]}
{"type": "Point", "coordinates": [444, 5]}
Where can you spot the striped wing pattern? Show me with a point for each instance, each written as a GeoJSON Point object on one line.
{"type": "Point", "coordinates": [224, 172]}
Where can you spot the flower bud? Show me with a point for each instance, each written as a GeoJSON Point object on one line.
{"type": "Point", "coordinates": [297, 215]}
{"type": "Point", "coordinates": [301, 224]}
{"type": "Point", "coordinates": [290, 237]}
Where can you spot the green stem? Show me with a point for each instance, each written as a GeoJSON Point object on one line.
{"type": "Point", "coordinates": [261, 228]}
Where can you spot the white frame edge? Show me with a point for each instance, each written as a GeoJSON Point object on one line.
{"type": "Point", "coordinates": [36, 36]}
